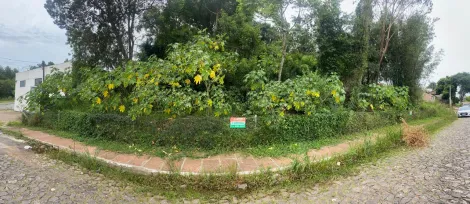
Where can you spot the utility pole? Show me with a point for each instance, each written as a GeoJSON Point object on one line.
{"type": "Point", "coordinates": [43, 71]}
{"type": "Point", "coordinates": [450, 95]}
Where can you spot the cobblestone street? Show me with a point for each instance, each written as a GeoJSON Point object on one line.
{"type": "Point", "coordinates": [26, 177]}
{"type": "Point", "coordinates": [438, 174]}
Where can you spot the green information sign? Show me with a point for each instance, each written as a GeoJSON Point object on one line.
{"type": "Point", "coordinates": [237, 123]}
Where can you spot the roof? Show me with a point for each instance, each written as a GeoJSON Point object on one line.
{"type": "Point", "coordinates": [61, 66]}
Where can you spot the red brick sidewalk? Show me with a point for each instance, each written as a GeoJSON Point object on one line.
{"type": "Point", "coordinates": [215, 164]}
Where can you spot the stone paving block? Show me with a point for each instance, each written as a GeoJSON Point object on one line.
{"type": "Point", "coordinates": [282, 162]}
{"type": "Point", "coordinates": [106, 155]}
{"type": "Point", "coordinates": [123, 158]}
{"type": "Point", "coordinates": [266, 163]}
{"type": "Point", "coordinates": [154, 163]}
{"type": "Point", "coordinates": [247, 164]}
{"type": "Point", "coordinates": [138, 160]}
{"type": "Point", "coordinates": [210, 165]}
{"type": "Point", "coordinates": [228, 165]}
{"type": "Point", "coordinates": [173, 166]}
{"type": "Point", "coordinates": [192, 165]}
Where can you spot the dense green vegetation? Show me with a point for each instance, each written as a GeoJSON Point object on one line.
{"type": "Point", "coordinates": [211, 186]}
{"type": "Point", "coordinates": [7, 82]}
{"type": "Point", "coordinates": [457, 84]}
{"type": "Point", "coordinates": [319, 74]}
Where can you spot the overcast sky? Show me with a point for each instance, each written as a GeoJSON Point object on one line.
{"type": "Point", "coordinates": [27, 33]}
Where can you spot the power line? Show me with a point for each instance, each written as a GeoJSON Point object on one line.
{"type": "Point", "coordinates": [17, 60]}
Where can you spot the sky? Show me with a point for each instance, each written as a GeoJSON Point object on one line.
{"type": "Point", "coordinates": [28, 35]}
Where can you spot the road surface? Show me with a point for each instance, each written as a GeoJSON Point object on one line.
{"type": "Point", "coordinates": [437, 174]}
{"type": "Point", "coordinates": [6, 105]}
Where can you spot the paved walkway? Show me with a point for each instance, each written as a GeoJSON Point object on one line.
{"type": "Point", "coordinates": [214, 164]}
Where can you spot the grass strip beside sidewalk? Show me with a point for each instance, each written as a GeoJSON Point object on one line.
{"type": "Point", "coordinates": [302, 173]}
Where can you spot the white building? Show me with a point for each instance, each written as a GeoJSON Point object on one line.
{"type": "Point", "coordinates": [28, 80]}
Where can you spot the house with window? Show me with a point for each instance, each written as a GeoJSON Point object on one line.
{"type": "Point", "coordinates": [28, 80]}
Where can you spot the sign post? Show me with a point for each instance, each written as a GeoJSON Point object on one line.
{"type": "Point", "coordinates": [237, 123]}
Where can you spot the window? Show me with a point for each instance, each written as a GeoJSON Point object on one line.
{"type": "Point", "coordinates": [37, 81]}
{"type": "Point", "coordinates": [23, 83]}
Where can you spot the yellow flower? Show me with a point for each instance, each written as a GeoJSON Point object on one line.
{"type": "Point", "coordinates": [122, 108]}
{"type": "Point", "coordinates": [110, 86]}
{"type": "Point", "coordinates": [146, 76]}
{"type": "Point", "coordinates": [216, 47]}
{"type": "Point", "coordinates": [371, 107]}
{"type": "Point", "coordinates": [309, 92]}
{"type": "Point", "coordinates": [187, 81]}
{"type": "Point", "coordinates": [333, 92]}
{"type": "Point", "coordinates": [197, 79]}
{"type": "Point", "coordinates": [281, 114]}
{"type": "Point", "coordinates": [98, 100]}
{"type": "Point", "coordinates": [337, 99]}
{"type": "Point", "coordinates": [105, 94]}
{"type": "Point", "coordinates": [316, 94]}
{"type": "Point", "coordinates": [209, 102]}
{"type": "Point", "coordinates": [135, 100]}
{"type": "Point", "coordinates": [273, 98]}
{"type": "Point", "coordinates": [167, 111]}
{"type": "Point", "coordinates": [175, 84]}
{"type": "Point", "coordinates": [216, 67]}
{"type": "Point", "coordinates": [297, 105]}
{"type": "Point", "coordinates": [212, 75]}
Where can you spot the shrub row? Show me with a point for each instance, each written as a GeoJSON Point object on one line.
{"type": "Point", "coordinates": [214, 133]}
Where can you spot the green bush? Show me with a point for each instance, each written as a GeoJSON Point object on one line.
{"type": "Point", "coordinates": [210, 133]}
{"type": "Point", "coordinates": [467, 98]}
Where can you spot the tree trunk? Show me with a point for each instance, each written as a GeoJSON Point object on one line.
{"type": "Point", "coordinates": [283, 58]}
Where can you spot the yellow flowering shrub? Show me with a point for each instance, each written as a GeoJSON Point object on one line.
{"type": "Point", "coordinates": [305, 94]}
{"type": "Point", "coordinates": [191, 73]}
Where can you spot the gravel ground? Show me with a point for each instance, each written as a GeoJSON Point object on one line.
{"type": "Point", "coordinates": [438, 174]}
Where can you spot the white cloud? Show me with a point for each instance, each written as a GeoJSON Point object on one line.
{"type": "Point", "coordinates": [28, 33]}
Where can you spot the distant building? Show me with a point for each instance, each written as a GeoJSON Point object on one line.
{"type": "Point", "coordinates": [28, 80]}
{"type": "Point", "coordinates": [429, 95]}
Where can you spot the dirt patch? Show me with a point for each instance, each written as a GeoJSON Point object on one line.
{"type": "Point", "coordinates": [7, 116]}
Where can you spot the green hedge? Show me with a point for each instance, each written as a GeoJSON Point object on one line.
{"type": "Point", "coordinates": [209, 133]}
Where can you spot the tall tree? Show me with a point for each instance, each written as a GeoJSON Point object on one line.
{"type": "Point", "coordinates": [7, 81]}
{"type": "Point", "coordinates": [362, 32]}
{"type": "Point", "coordinates": [275, 11]}
{"type": "Point", "coordinates": [100, 32]}
{"type": "Point", "coordinates": [463, 82]}
{"type": "Point", "coordinates": [412, 57]}
{"type": "Point", "coordinates": [176, 21]}
{"type": "Point", "coordinates": [335, 45]}
{"type": "Point", "coordinates": [391, 12]}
